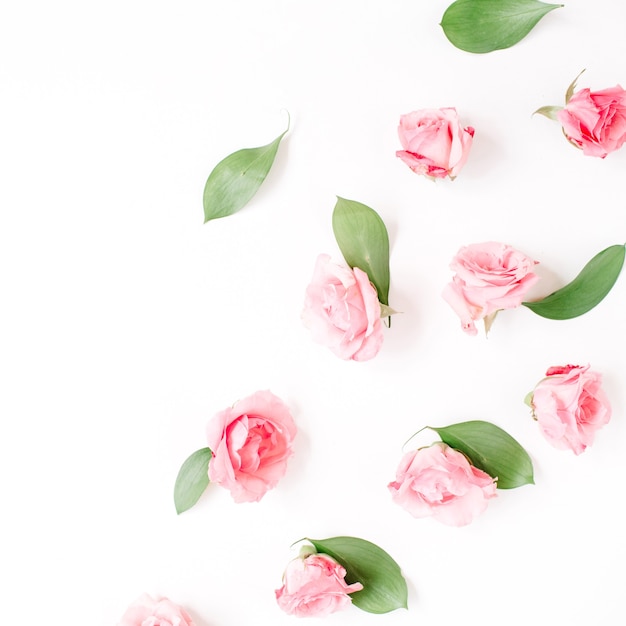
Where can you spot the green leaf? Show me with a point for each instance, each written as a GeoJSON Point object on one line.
{"type": "Point", "coordinates": [548, 111]}
{"type": "Point", "coordinates": [363, 240]}
{"type": "Point", "coordinates": [384, 587]}
{"type": "Point", "coordinates": [192, 479]}
{"type": "Point", "coordinates": [486, 25]}
{"type": "Point", "coordinates": [587, 290]}
{"type": "Point", "coordinates": [235, 179]}
{"type": "Point", "coordinates": [492, 450]}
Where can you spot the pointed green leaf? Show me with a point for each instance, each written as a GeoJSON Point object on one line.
{"type": "Point", "coordinates": [363, 240]}
{"type": "Point", "coordinates": [492, 450]}
{"type": "Point", "coordinates": [548, 111]}
{"type": "Point", "coordinates": [485, 25]}
{"type": "Point", "coordinates": [587, 290]}
{"type": "Point", "coordinates": [384, 587]}
{"type": "Point", "coordinates": [235, 179]}
{"type": "Point", "coordinates": [192, 479]}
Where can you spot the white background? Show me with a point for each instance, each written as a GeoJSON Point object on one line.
{"type": "Point", "coordinates": [127, 323]}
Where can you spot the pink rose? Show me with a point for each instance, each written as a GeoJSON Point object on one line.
{"type": "Point", "coordinates": [314, 586]}
{"type": "Point", "coordinates": [441, 482]}
{"type": "Point", "coordinates": [146, 611]}
{"type": "Point", "coordinates": [489, 277]}
{"type": "Point", "coordinates": [342, 310]}
{"type": "Point", "coordinates": [570, 406]}
{"type": "Point", "coordinates": [435, 144]}
{"type": "Point", "coordinates": [595, 120]}
{"type": "Point", "coordinates": [251, 443]}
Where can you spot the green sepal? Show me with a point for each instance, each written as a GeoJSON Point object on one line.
{"type": "Point", "coordinates": [236, 178]}
{"type": "Point", "coordinates": [363, 240]}
{"type": "Point", "coordinates": [549, 111]}
{"type": "Point", "coordinates": [586, 291]}
{"type": "Point", "coordinates": [384, 587]}
{"type": "Point", "coordinates": [528, 399]}
{"type": "Point", "coordinates": [492, 450]}
{"type": "Point", "coordinates": [570, 90]}
{"type": "Point", "coordinates": [485, 25]}
{"type": "Point", "coordinates": [192, 479]}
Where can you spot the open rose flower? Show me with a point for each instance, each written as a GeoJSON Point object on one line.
{"type": "Point", "coordinates": [489, 277]}
{"type": "Point", "coordinates": [146, 611]}
{"type": "Point", "coordinates": [434, 142]}
{"type": "Point", "coordinates": [439, 481]}
{"type": "Point", "coordinates": [342, 311]}
{"type": "Point", "coordinates": [251, 443]}
{"type": "Point", "coordinates": [570, 406]}
{"type": "Point", "coordinates": [595, 121]}
{"type": "Point", "coordinates": [315, 586]}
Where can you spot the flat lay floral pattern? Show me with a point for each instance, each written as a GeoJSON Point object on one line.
{"type": "Point", "coordinates": [260, 448]}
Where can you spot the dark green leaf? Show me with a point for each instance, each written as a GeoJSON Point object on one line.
{"type": "Point", "coordinates": [235, 179]}
{"type": "Point", "coordinates": [363, 240]}
{"type": "Point", "coordinates": [586, 290]}
{"type": "Point", "coordinates": [192, 479]}
{"type": "Point", "coordinates": [492, 450]}
{"type": "Point", "coordinates": [485, 25]}
{"type": "Point", "coordinates": [384, 587]}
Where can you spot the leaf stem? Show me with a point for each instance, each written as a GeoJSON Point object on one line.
{"type": "Point", "coordinates": [414, 435]}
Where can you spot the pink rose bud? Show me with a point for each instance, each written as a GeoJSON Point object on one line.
{"type": "Point", "coordinates": [570, 406]}
{"type": "Point", "coordinates": [439, 481]}
{"type": "Point", "coordinates": [314, 586]}
{"type": "Point", "coordinates": [435, 144]}
{"type": "Point", "coordinates": [146, 611]}
{"type": "Point", "coordinates": [489, 277]}
{"type": "Point", "coordinates": [595, 120]}
{"type": "Point", "coordinates": [251, 443]}
{"type": "Point", "coordinates": [342, 311]}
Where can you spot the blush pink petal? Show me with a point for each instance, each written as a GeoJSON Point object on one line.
{"type": "Point", "coordinates": [595, 121]}
{"type": "Point", "coordinates": [146, 611]}
{"type": "Point", "coordinates": [570, 406]}
{"type": "Point", "coordinates": [439, 481]}
{"type": "Point", "coordinates": [489, 277]}
{"type": "Point", "coordinates": [315, 586]}
{"type": "Point", "coordinates": [251, 443]}
{"type": "Point", "coordinates": [434, 142]}
{"type": "Point", "coordinates": [342, 311]}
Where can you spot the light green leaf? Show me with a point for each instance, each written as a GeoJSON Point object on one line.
{"type": "Point", "coordinates": [548, 111]}
{"type": "Point", "coordinates": [384, 587]}
{"type": "Point", "coordinates": [363, 240]}
{"type": "Point", "coordinates": [587, 290]}
{"type": "Point", "coordinates": [486, 25]}
{"type": "Point", "coordinates": [235, 179]}
{"type": "Point", "coordinates": [192, 479]}
{"type": "Point", "coordinates": [492, 450]}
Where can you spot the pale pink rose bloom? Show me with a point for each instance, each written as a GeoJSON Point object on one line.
{"type": "Point", "coordinates": [342, 311]}
{"type": "Point", "coordinates": [315, 586]}
{"type": "Point", "coordinates": [146, 611]}
{"type": "Point", "coordinates": [570, 406]}
{"type": "Point", "coordinates": [489, 277]}
{"type": "Point", "coordinates": [251, 443]}
{"type": "Point", "coordinates": [439, 481]}
{"type": "Point", "coordinates": [595, 120]}
{"type": "Point", "coordinates": [434, 141]}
